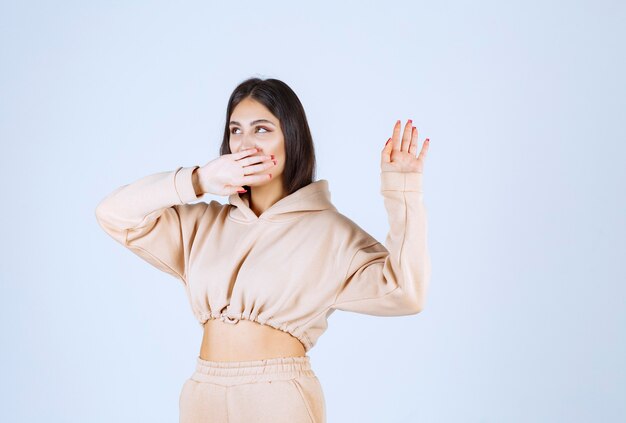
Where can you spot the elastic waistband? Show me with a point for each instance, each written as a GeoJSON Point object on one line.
{"type": "Point", "coordinates": [236, 372]}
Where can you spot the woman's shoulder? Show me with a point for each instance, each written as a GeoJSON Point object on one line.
{"type": "Point", "coordinates": [346, 228]}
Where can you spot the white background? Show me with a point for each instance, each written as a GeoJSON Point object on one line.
{"type": "Point", "coordinates": [524, 187]}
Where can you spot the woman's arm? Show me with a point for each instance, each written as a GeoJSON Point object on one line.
{"type": "Point", "coordinates": [393, 280]}
{"type": "Point", "coordinates": [151, 217]}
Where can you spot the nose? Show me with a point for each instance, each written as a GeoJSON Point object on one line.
{"type": "Point", "coordinates": [247, 143]}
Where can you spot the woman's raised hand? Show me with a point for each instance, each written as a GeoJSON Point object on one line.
{"type": "Point", "coordinates": [228, 173]}
{"type": "Point", "coordinates": [399, 153]}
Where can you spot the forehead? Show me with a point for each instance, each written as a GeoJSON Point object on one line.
{"type": "Point", "coordinates": [249, 110]}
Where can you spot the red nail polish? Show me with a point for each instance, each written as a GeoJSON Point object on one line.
{"type": "Point", "coordinates": [241, 192]}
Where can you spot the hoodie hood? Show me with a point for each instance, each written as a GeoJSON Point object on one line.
{"type": "Point", "coordinates": [310, 198]}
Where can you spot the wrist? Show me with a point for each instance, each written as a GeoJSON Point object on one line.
{"type": "Point", "coordinates": [195, 179]}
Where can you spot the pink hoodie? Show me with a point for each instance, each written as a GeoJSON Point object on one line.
{"type": "Point", "coordinates": [292, 266]}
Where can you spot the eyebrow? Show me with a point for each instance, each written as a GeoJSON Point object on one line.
{"type": "Point", "coordinates": [233, 122]}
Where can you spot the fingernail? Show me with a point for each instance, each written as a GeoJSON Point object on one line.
{"type": "Point", "coordinates": [241, 192]}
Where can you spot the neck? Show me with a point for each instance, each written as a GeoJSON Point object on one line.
{"type": "Point", "coordinates": [264, 196]}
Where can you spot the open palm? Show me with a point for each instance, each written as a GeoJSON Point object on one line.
{"type": "Point", "coordinates": [399, 153]}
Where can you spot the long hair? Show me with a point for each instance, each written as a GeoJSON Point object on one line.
{"type": "Point", "coordinates": [285, 105]}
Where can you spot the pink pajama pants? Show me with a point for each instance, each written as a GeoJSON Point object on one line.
{"type": "Point", "coordinates": [276, 390]}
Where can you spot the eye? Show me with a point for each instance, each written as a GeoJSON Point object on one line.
{"type": "Point", "coordinates": [232, 131]}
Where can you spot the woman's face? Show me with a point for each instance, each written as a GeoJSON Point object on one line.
{"type": "Point", "coordinates": [253, 125]}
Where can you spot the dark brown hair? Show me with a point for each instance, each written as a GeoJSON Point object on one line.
{"type": "Point", "coordinates": [285, 105]}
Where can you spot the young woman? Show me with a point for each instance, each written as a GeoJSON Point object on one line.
{"type": "Point", "coordinates": [265, 271]}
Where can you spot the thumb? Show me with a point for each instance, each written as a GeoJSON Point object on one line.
{"type": "Point", "coordinates": [386, 153]}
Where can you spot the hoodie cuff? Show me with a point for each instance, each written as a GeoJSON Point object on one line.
{"type": "Point", "coordinates": [184, 184]}
{"type": "Point", "coordinates": [401, 181]}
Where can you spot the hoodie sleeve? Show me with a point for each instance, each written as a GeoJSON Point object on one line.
{"type": "Point", "coordinates": [151, 218]}
{"type": "Point", "coordinates": [391, 280]}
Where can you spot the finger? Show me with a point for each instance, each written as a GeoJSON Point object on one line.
{"type": "Point", "coordinates": [386, 153]}
{"type": "Point", "coordinates": [243, 153]}
{"type": "Point", "coordinates": [424, 151]}
{"type": "Point", "coordinates": [406, 136]}
{"type": "Point", "coordinates": [413, 146]}
{"type": "Point", "coordinates": [395, 137]}
{"type": "Point", "coordinates": [253, 179]}
{"type": "Point", "coordinates": [250, 160]}
{"type": "Point", "coordinates": [249, 170]}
